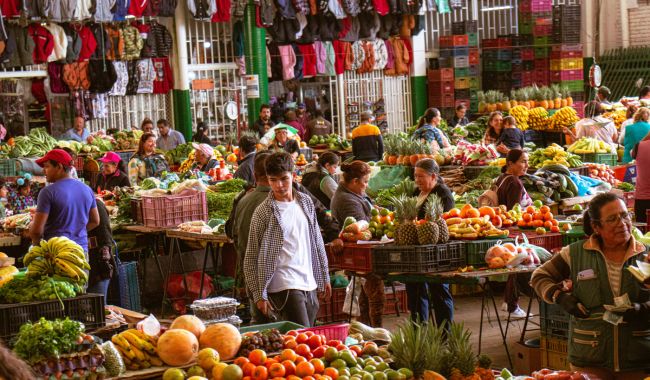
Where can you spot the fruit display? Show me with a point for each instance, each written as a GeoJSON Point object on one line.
{"type": "Point", "coordinates": [400, 151]}
{"type": "Point", "coordinates": [406, 211]}
{"type": "Point", "coordinates": [538, 118]}
{"type": "Point", "coordinates": [509, 255]}
{"type": "Point", "coordinates": [362, 332]}
{"type": "Point", "coordinates": [268, 340]}
{"type": "Point", "coordinates": [468, 223]}
{"type": "Point", "coordinates": [333, 142]}
{"type": "Point", "coordinates": [224, 338]}
{"type": "Point", "coordinates": [57, 256]}
{"type": "Point", "coordinates": [566, 117]}
{"type": "Point", "coordinates": [521, 115]}
{"type": "Point", "coordinates": [382, 223]}
{"type": "Point", "coordinates": [127, 140]}
{"type": "Point", "coordinates": [550, 184]}
{"type": "Point", "coordinates": [138, 350]}
{"type": "Point", "coordinates": [588, 145]}
{"type": "Point", "coordinates": [473, 154]}
{"type": "Point", "coordinates": [18, 221]}
{"type": "Point", "coordinates": [354, 230]}
{"type": "Point", "coordinates": [549, 374]}
{"type": "Point", "coordinates": [21, 288]}
{"type": "Point", "coordinates": [617, 116]}
{"type": "Point", "coordinates": [7, 272]}
{"type": "Point", "coordinates": [537, 217]}
{"type": "Point", "coordinates": [553, 97]}
{"type": "Point", "coordinates": [301, 160]}
{"type": "Point", "coordinates": [432, 229]}
{"type": "Point", "coordinates": [553, 155]}
{"type": "Point", "coordinates": [603, 173]}
{"type": "Point", "coordinates": [406, 187]}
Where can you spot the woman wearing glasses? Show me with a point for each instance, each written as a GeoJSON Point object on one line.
{"type": "Point", "coordinates": [589, 275]}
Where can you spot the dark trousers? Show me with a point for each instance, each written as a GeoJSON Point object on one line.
{"type": "Point", "coordinates": [420, 294]}
{"type": "Point", "coordinates": [296, 306]}
{"type": "Point", "coordinates": [515, 286]}
{"type": "Point", "coordinates": [640, 207]}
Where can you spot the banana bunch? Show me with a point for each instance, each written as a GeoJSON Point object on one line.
{"type": "Point", "coordinates": [138, 350]}
{"type": "Point", "coordinates": [538, 118]}
{"type": "Point", "coordinates": [553, 155]}
{"type": "Point", "coordinates": [520, 113]}
{"type": "Point", "coordinates": [57, 256]}
{"type": "Point", "coordinates": [566, 117]}
{"type": "Point", "coordinates": [618, 117]}
{"type": "Point", "coordinates": [588, 145]}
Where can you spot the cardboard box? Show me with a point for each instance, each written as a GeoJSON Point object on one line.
{"type": "Point", "coordinates": [525, 359]}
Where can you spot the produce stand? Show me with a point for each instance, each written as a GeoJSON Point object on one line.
{"type": "Point", "coordinates": [213, 247]}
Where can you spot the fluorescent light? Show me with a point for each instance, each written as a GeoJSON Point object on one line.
{"type": "Point", "coordinates": [207, 44]}
{"type": "Point", "coordinates": [497, 8]}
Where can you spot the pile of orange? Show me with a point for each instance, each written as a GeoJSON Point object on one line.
{"type": "Point", "coordinates": [533, 217]}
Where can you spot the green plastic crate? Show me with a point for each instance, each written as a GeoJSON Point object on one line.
{"type": "Point", "coordinates": [541, 52]}
{"type": "Point", "coordinates": [461, 72]}
{"type": "Point", "coordinates": [472, 39]}
{"type": "Point", "coordinates": [610, 159]}
{"type": "Point", "coordinates": [283, 327]}
{"type": "Point", "coordinates": [574, 85]}
{"type": "Point", "coordinates": [525, 27]}
{"type": "Point", "coordinates": [475, 250]}
{"type": "Point", "coordinates": [541, 41]}
{"type": "Point", "coordinates": [474, 84]}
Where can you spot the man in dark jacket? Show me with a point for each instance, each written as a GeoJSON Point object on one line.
{"type": "Point", "coordinates": [247, 147]}
{"type": "Point", "coordinates": [264, 123]}
{"type": "Point", "coordinates": [101, 259]}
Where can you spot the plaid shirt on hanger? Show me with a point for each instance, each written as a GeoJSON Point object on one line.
{"type": "Point", "coordinates": [265, 244]}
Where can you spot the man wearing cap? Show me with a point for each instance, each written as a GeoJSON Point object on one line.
{"type": "Point", "coordinates": [113, 173]}
{"type": "Point", "coordinates": [247, 148]}
{"type": "Point", "coordinates": [367, 143]}
{"type": "Point", "coordinates": [66, 207]}
{"type": "Point", "coordinates": [169, 138]}
{"type": "Point", "coordinates": [264, 122]}
{"type": "Point", "coordinates": [603, 95]}
{"type": "Point", "coordinates": [204, 157]}
{"type": "Point", "coordinates": [282, 141]}
{"type": "Point", "coordinates": [77, 133]}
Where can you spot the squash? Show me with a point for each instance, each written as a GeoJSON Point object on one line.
{"type": "Point", "coordinates": [224, 338]}
{"type": "Point", "coordinates": [177, 347]}
{"type": "Point", "coordinates": [189, 323]}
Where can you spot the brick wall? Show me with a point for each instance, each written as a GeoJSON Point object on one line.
{"type": "Point", "coordinates": [639, 26]}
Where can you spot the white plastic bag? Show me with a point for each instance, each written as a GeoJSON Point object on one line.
{"type": "Point", "coordinates": [352, 296]}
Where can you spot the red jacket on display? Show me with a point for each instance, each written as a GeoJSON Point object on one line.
{"type": "Point", "coordinates": [43, 43]}
{"type": "Point", "coordinates": [164, 80]}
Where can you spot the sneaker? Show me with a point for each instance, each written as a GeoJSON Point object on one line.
{"type": "Point", "coordinates": [518, 313]}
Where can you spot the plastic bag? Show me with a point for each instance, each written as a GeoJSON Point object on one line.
{"type": "Point", "coordinates": [352, 296]}
{"type": "Point", "coordinates": [504, 255]}
{"type": "Point", "coordinates": [541, 255]}
{"type": "Point", "coordinates": [113, 360]}
{"type": "Point", "coordinates": [386, 178]}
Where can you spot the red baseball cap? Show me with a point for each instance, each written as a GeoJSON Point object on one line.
{"type": "Point", "coordinates": [57, 155]}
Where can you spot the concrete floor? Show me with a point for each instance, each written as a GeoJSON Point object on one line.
{"type": "Point", "coordinates": [467, 309]}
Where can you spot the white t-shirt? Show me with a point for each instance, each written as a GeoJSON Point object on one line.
{"type": "Point", "coordinates": [294, 267]}
{"type": "Point", "coordinates": [599, 128]}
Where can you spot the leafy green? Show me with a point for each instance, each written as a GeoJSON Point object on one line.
{"type": "Point", "coordinates": [234, 185]}
{"type": "Point", "coordinates": [47, 339]}
{"type": "Point", "coordinates": [625, 186]}
{"type": "Point", "coordinates": [220, 204]}
{"type": "Point", "coordinates": [179, 154]}
{"type": "Point", "coordinates": [406, 187]}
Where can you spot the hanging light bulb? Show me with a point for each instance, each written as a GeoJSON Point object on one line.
{"type": "Point", "coordinates": [207, 44]}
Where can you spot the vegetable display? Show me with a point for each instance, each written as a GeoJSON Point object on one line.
{"type": "Point", "coordinates": [58, 256]}
{"type": "Point", "coordinates": [27, 289]}
{"type": "Point", "coordinates": [45, 339]}
{"type": "Point", "coordinates": [179, 154]}
{"type": "Point", "coordinates": [36, 144]}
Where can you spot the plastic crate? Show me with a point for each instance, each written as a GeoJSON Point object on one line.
{"type": "Point", "coordinates": [552, 311]}
{"type": "Point", "coordinates": [445, 62]}
{"type": "Point", "coordinates": [464, 27]}
{"type": "Point", "coordinates": [566, 75]}
{"type": "Point", "coordinates": [542, 30]}
{"type": "Point", "coordinates": [568, 48]}
{"type": "Point", "coordinates": [172, 210]}
{"type": "Point", "coordinates": [136, 210]}
{"type": "Point", "coordinates": [215, 308]}
{"type": "Point", "coordinates": [283, 327]}
{"type": "Point", "coordinates": [441, 87]}
{"type": "Point", "coordinates": [566, 64]}
{"type": "Point", "coordinates": [554, 352]}
{"type": "Point", "coordinates": [462, 94]}
{"type": "Point", "coordinates": [474, 56]}
{"type": "Point", "coordinates": [461, 61]}
{"type": "Point", "coordinates": [461, 83]}
{"type": "Point", "coordinates": [528, 6]}
{"type": "Point", "coordinates": [504, 54]}
{"type": "Point", "coordinates": [525, 27]}
{"type": "Point", "coordinates": [454, 40]}
{"type": "Point", "coordinates": [338, 332]}
{"type": "Point", "coordinates": [548, 241]}
{"type": "Point", "coordinates": [610, 159]}
{"type": "Point", "coordinates": [461, 72]}
{"type": "Point", "coordinates": [87, 309]}
{"type": "Point", "coordinates": [542, 41]}
{"type": "Point", "coordinates": [440, 75]}
{"type": "Point", "coordinates": [395, 301]}
{"type": "Point", "coordinates": [129, 287]}
{"type": "Point", "coordinates": [8, 167]}
{"type": "Point", "coordinates": [78, 163]}
{"type": "Point", "coordinates": [444, 101]}
{"type": "Point", "coordinates": [475, 250]}
{"type": "Point", "coordinates": [355, 257]}
{"type": "Point", "coordinates": [575, 85]}
{"type": "Point", "coordinates": [472, 39]}
{"type": "Point", "coordinates": [418, 259]}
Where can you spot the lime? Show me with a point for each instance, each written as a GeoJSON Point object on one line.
{"type": "Point", "coordinates": [339, 363]}
{"type": "Point", "coordinates": [196, 371]}
{"type": "Point", "coordinates": [378, 375]}
{"type": "Point", "coordinates": [370, 368]}
{"type": "Point", "coordinates": [384, 212]}
{"type": "Point", "coordinates": [374, 212]}
{"type": "Point", "coordinates": [174, 374]}
{"type": "Point", "coordinates": [406, 372]}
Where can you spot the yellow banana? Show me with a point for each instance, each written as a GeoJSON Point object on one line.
{"type": "Point", "coordinates": [65, 269]}
{"type": "Point", "coordinates": [124, 346]}
{"type": "Point", "coordinates": [139, 355]}
{"type": "Point", "coordinates": [33, 253]}
{"type": "Point", "coordinates": [74, 260]}
{"type": "Point", "coordinates": [155, 360]}
{"type": "Point", "coordinates": [142, 339]}
{"type": "Point", "coordinates": [134, 340]}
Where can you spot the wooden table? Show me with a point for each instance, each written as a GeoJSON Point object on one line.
{"type": "Point", "coordinates": [210, 240]}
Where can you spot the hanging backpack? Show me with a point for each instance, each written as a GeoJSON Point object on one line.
{"type": "Point", "coordinates": [490, 197]}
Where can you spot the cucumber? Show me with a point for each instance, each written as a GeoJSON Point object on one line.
{"type": "Point", "coordinates": [571, 186]}
{"type": "Point", "coordinates": [561, 169]}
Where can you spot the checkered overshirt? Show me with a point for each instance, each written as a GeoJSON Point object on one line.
{"type": "Point", "coordinates": [265, 244]}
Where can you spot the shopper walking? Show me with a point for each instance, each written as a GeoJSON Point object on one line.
{"type": "Point", "coordinates": [641, 153]}
{"type": "Point", "coordinates": [146, 162]}
{"type": "Point", "coordinates": [601, 345]}
{"type": "Point", "coordinates": [367, 143]}
{"type": "Point", "coordinates": [247, 149]}
{"type": "Point", "coordinates": [350, 200]}
{"type": "Point", "coordinates": [419, 294]}
{"type": "Point", "coordinates": [318, 177]}
{"type": "Point", "coordinates": [66, 207]}
{"type": "Point", "coordinates": [169, 138]}
{"type": "Point", "coordinates": [636, 132]}
{"type": "Point", "coordinates": [284, 243]}
{"type": "Point", "coordinates": [428, 130]}
{"type": "Point", "coordinates": [113, 173]}
{"type": "Point", "coordinates": [100, 253]}
{"type": "Point", "coordinates": [494, 129]}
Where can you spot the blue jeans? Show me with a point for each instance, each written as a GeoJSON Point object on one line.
{"type": "Point", "coordinates": [420, 294]}
{"type": "Point", "coordinates": [100, 287]}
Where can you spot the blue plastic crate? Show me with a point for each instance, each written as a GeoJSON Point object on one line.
{"type": "Point", "coordinates": [129, 286]}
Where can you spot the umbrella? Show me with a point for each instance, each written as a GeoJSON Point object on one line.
{"type": "Point", "coordinates": [270, 134]}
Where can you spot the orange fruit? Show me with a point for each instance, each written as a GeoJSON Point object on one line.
{"type": "Point", "coordinates": [308, 378]}
{"type": "Point", "coordinates": [487, 210]}
{"type": "Point", "coordinates": [248, 369]}
{"type": "Point", "coordinates": [240, 361]}
{"type": "Point", "coordinates": [303, 350]}
{"type": "Point", "coordinates": [288, 354]}
{"type": "Point", "coordinates": [521, 223]}
{"type": "Point", "coordinates": [260, 373]}
{"type": "Point", "coordinates": [277, 370]}
{"type": "Point", "coordinates": [300, 359]}
{"type": "Point", "coordinates": [531, 210]}
{"type": "Point", "coordinates": [331, 372]}
{"type": "Point", "coordinates": [527, 217]}
{"type": "Point", "coordinates": [289, 367]}
{"type": "Point", "coordinates": [302, 338]}
{"type": "Point", "coordinates": [548, 224]}
{"type": "Point", "coordinates": [291, 344]}
{"type": "Point", "coordinates": [472, 213]}
{"type": "Point", "coordinates": [537, 223]}
{"type": "Point", "coordinates": [293, 333]}
{"type": "Point", "coordinates": [305, 369]}
{"type": "Point", "coordinates": [319, 366]}
{"type": "Point", "coordinates": [554, 222]}
{"type": "Point", "coordinates": [544, 209]}
{"type": "Point", "coordinates": [548, 216]}
{"type": "Point", "coordinates": [555, 229]}
{"type": "Point", "coordinates": [454, 212]}
{"type": "Point", "coordinates": [293, 377]}
{"type": "Point", "coordinates": [269, 362]}
{"type": "Point", "coordinates": [257, 357]}
{"type": "Point", "coordinates": [445, 215]}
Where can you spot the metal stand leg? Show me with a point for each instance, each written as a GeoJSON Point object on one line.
{"type": "Point", "coordinates": [175, 249]}
{"type": "Point", "coordinates": [480, 326]}
{"type": "Point", "coordinates": [392, 285]}
{"type": "Point", "coordinates": [206, 253]}
{"type": "Point", "coordinates": [496, 312]}
{"type": "Point", "coordinates": [354, 278]}
{"type": "Point", "coordinates": [523, 332]}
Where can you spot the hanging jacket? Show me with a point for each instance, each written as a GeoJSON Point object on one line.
{"type": "Point", "coordinates": [102, 41]}
{"type": "Point", "coordinates": [159, 41]}
{"type": "Point", "coordinates": [78, 10]}
{"type": "Point", "coordinates": [147, 75]}
{"type": "Point", "coordinates": [50, 9]}
{"type": "Point", "coordinates": [238, 9]}
{"type": "Point", "coordinates": [60, 40]}
{"type": "Point", "coordinates": [121, 78]}
{"type": "Point", "coordinates": [120, 10]}
{"type": "Point", "coordinates": [288, 58]}
{"type": "Point", "coordinates": [223, 11]}
{"type": "Point", "coordinates": [408, 23]}
{"type": "Point", "coordinates": [43, 42]}
{"type": "Point", "coordinates": [103, 10]}
{"type": "Point", "coordinates": [330, 69]}
{"type": "Point", "coordinates": [116, 50]}
{"type": "Point", "coordinates": [353, 33]}
{"type": "Point", "coordinates": [267, 12]}
{"type": "Point", "coordinates": [19, 47]}
{"type": "Point", "coordinates": [164, 80]}
{"type": "Point", "coordinates": [134, 77]}
{"type": "Point", "coordinates": [310, 31]}
{"type": "Point", "coordinates": [341, 51]}
{"type": "Point", "coordinates": [167, 8]}
{"type": "Point", "coordinates": [137, 7]}
{"type": "Point", "coordinates": [369, 25]}
{"type": "Point", "coordinates": [9, 52]}
{"type": "Point", "coordinates": [336, 8]}
{"type": "Point", "coordinates": [103, 76]}
{"type": "Point", "coordinates": [286, 9]}
{"type": "Point", "coordinates": [88, 43]}
{"type": "Point", "coordinates": [301, 6]}
{"type": "Point", "coordinates": [297, 69]}
{"type": "Point", "coordinates": [309, 60]}
{"type": "Point", "coordinates": [369, 62]}
{"type": "Point", "coordinates": [366, 6]}
{"type": "Point", "coordinates": [10, 8]}
{"type": "Point", "coordinates": [390, 26]}
{"type": "Point", "coordinates": [380, 53]}
{"type": "Point", "coordinates": [329, 27]}
{"type": "Point", "coordinates": [76, 76]}
{"type": "Point", "coordinates": [321, 57]}
{"type": "Point", "coordinates": [401, 58]}
{"type": "Point", "coordinates": [381, 7]}
{"type": "Point", "coordinates": [202, 9]}
{"type": "Point", "coordinates": [74, 44]}
{"type": "Point", "coordinates": [132, 42]}
{"type": "Point", "coordinates": [359, 55]}
{"type": "Point", "coordinates": [390, 58]}
{"type": "Point", "coordinates": [276, 61]}
{"type": "Point", "coordinates": [55, 74]}
{"type": "Point", "coordinates": [283, 31]}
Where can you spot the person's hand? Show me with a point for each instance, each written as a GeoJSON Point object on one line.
{"type": "Point", "coordinates": [639, 313]}
{"type": "Point", "coordinates": [337, 246]}
{"type": "Point", "coordinates": [264, 306]}
{"type": "Point", "coordinates": [502, 149]}
{"type": "Point", "coordinates": [326, 293]}
{"type": "Point", "coordinates": [565, 130]}
{"type": "Point", "coordinates": [572, 305]}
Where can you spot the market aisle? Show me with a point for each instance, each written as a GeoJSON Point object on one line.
{"type": "Point", "coordinates": [467, 310]}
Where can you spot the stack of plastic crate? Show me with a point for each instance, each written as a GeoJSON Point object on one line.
{"type": "Point", "coordinates": [466, 88]}
{"type": "Point", "coordinates": [566, 24]}
{"type": "Point", "coordinates": [497, 64]}
{"type": "Point", "coordinates": [567, 69]}
{"type": "Point", "coordinates": [535, 27]}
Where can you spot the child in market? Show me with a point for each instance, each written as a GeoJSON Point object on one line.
{"type": "Point", "coordinates": [511, 137]}
{"type": "Point", "coordinates": [22, 197]}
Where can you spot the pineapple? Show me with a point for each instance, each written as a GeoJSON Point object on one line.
{"type": "Point", "coordinates": [428, 229]}
{"type": "Point", "coordinates": [482, 106]}
{"type": "Point", "coordinates": [443, 231]}
{"type": "Point", "coordinates": [406, 210]}
{"type": "Point", "coordinates": [462, 359]}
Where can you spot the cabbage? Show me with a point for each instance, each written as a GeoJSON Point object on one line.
{"type": "Point", "coordinates": [150, 183]}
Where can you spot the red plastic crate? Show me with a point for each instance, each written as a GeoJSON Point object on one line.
{"type": "Point", "coordinates": [568, 47]}
{"type": "Point", "coordinates": [558, 54]}
{"type": "Point", "coordinates": [355, 257]}
{"type": "Point", "coordinates": [171, 210]}
{"type": "Point", "coordinates": [474, 57]}
{"type": "Point", "coordinates": [549, 241]}
{"type": "Point", "coordinates": [490, 43]}
{"type": "Point", "coordinates": [79, 163]}
{"type": "Point", "coordinates": [542, 30]}
{"type": "Point", "coordinates": [338, 331]}
{"type": "Point", "coordinates": [541, 65]}
{"type": "Point", "coordinates": [454, 40]}
{"type": "Point", "coordinates": [441, 87]}
{"type": "Point", "coordinates": [390, 306]}
{"type": "Point", "coordinates": [580, 108]}
{"type": "Point", "coordinates": [444, 101]}
{"type": "Point", "coordinates": [564, 75]}
{"type": "Point", "coordinates": [528, 54]}
{"type": "Point", "coordinates": [440, 75]}
{"type": "Point", "coordinates": [504, 42]}
{"type": "Point", "coordinates": [543, 21]}
{"type": "Point", "coordinates": [528, 6]}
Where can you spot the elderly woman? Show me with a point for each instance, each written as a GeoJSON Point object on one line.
{"type": "Point", "coordinates": [146, 162]}
{"type": "Point", "coordinates": [585, 277]}
{"type": "Point", "coordinates": [204, 157]}
{"type": "Point", "coordinates": [113, 174]}
{"type": "Point", "coordinates": [283, 142]}
{"type": "Point", "coordinates": [419, 294]}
